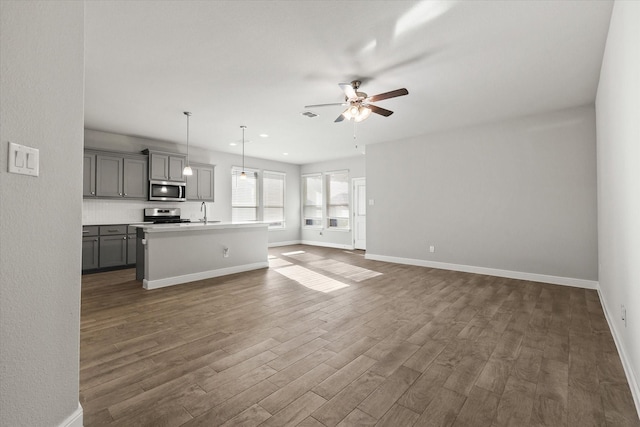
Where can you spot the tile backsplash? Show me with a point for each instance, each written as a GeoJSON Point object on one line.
{"type": "Point", "coordinates": [101, 211]}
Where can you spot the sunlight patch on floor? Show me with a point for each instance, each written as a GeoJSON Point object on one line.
{"type": "Point", "coordinates": [348, 271]}
{"type": "Point", "coordinates": [311, 279]}
{"type": "Point", "coordinates": [293, 253]}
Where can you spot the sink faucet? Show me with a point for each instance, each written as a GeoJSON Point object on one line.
{"type": "Point", "coordinates": [204, 206]}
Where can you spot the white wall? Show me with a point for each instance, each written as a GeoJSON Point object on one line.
{"type": "Point", "coordinates": [324, 236]}
{"type": "Point", "coordinates": [618, 122]}
{"type": "Point", "coordinates": [41, 87]}
{"type": "Point", "coordinates": [119, 211]}
{"type": "Point", "coordinates": [513, 196]}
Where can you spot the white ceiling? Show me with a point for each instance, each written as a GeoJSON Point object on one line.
{"type": "Point", "coordinates": [258, 63]}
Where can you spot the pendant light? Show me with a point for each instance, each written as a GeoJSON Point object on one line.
{"type": "Point", "coordinates": [187, 169]}
{"type": "Point", "coordinates": [243, 175]}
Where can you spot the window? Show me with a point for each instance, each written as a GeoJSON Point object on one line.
{"type": "Point", "coordinates": [273, 198]}
{"type": "Point", "coordinates": [312, 200]}
{"type": "Point", "coordinates": [244, 195]}
{"type": "Point", "coordinates": [338, 200]}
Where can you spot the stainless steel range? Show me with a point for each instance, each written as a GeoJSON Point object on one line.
{"type": "Point", "coordinates": [163, 215]}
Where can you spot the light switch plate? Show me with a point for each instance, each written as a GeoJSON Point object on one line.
{"type": "Point", "coordinates": [23, 160]}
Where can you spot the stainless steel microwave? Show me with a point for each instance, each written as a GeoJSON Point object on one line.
{"type": "Point", "coordinates": [167, 191]}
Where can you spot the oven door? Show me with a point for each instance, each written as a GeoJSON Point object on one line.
{"type": "Point", "coordinates": [167, 191]}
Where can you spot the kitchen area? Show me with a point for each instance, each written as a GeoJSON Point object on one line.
{"type": "Point", "coordinates": [140, 211]}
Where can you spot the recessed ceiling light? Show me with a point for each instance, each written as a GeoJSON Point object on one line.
{"type": "Point", "coordinates": [233, 144]}
{"type": "Point", "coordinates": [286, 154]}
{"type": "Point", "coordinates": [264, 135]}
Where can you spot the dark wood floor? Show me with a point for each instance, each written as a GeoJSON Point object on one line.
{"type": "Point", "coordinates": [324, 337]}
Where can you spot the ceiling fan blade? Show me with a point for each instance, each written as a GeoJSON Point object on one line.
{"type": "Point", "coordinates": [340, 118]}
{"type": "Point", "coordinates": [387, 95]}
{"type": "Point", "coordinates": [349, 91]}
{"type": "Point", "coordinates": [378, 110]}
{"type": "Point", "coordinates": [324, 105]}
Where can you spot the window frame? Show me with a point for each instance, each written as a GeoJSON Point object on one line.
{"type": "Point", "coordinates": [281, 225]}
{"type": "Point", "coordinates": [235, 175]}
{"type": "Point", "coordinates": [329, 205]}
{"type": "Point", "coordinates": [304, 205]}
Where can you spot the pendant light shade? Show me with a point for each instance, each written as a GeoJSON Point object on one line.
{"type": "Point", "coordinates": [187, 169]}
{"type": "Point", "coordinates": [243, 175]}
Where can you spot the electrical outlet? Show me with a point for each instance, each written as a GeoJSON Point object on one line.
{"type": "Point", "coordinates": [225, 252]}
{"type": "Point", "coordinates": [623, 314]}
{"type": "Point", "coordinates": [432, 249]}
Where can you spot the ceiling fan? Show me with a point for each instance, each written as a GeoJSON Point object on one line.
{"type": "Point", "coordinates": [359, 103]}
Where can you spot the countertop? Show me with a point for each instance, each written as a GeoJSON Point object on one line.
{"type": "Point", "coordinates": [115, 223]}
{"type": "Point", "coordinates": [194, 226]}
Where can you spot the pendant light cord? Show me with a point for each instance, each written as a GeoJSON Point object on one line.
{"type": "Point", "coordinates": [188, 114]}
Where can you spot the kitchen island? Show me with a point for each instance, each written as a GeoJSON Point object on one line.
{"type": "Point", "coordinates": [170, 254]}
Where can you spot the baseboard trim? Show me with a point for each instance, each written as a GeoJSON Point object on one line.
{"type": "Point", "coordinates": [326, 245]}
{"type": "Point", "coordinates": [176, 280]}
{"type": "Point", "coordinates": [533, 277]}
{"type": "Point", "coordinates": [75, 419]}
{"type": "Point", "coordinates": [290, 242]}
{"type": "Point", "coordinates": [624, 358]}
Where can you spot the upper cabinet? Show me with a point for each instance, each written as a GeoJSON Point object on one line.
{"type": "Point", "coordinates": [115, 175]}
{"type": "Point", "coordinates": [200, 184]}
{"type": "Point", "coordinates": [89, 174]}
{"type": "Point", "coordinates": [166, 166]}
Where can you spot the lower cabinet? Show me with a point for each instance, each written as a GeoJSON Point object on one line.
{"type": "Point", "coordinates": [90, 251]}
{"type": "Point", "coordinates": [113, 251]}
{"type": "Point", "coordinates": [108, 246]}
{"type": "Point", "coordinates": [131, 249]}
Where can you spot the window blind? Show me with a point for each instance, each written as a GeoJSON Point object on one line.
{"type": "Point", "coordinates": [312, 200]}
{"type": "Point", "coordinates": [244, 195]}
{"type": "Point", "coordinates": [273, 198]}
{"type": "Point", "coordinates": [338, 200]}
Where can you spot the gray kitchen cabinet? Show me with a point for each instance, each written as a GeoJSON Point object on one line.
{"type": "Point", "coordinates": [166, 166]}
{"type": "Point", "coordinates": [108, 175]}
{"type": "Point", "coordinates": [135, 184]}
{"type": "Point", "coordinates": [89, 175]}
{"type": "Point", "coordinates": [119, 176]}
{"type": "Point", "coordinates": [131, 249]}
{"type": "Point", "coordinates": [90, 248]}
{"type": "Point", "coordinates": [113, 250]}
{"type": "Point", "coordinates": [200, 184]}
{"type": "Point", "coordinates": [90, 252]}
{"type": "Point", "coordinates": [106, 246]}
{"type": "Point", "coordinates": [131, 244]}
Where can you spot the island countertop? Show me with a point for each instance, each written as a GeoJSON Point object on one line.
{"type": "Point", "coordinates": [194, 226]}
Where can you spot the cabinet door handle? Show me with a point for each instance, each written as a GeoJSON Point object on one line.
{"type": "Point", "coordinates": [124, 238]}
{"type": "Point", "coordinates": [120, 194]}
{"type": "Point", "coordinates": [95, 240]}
{"type": "Point", "coordinates": [85, 231]}
{"type": "Point", "coordinates": [125, 194]}
{"type": "Point", "coordinates": [113, 231]}
{"type": "Point", "coordinates": [93, 192]}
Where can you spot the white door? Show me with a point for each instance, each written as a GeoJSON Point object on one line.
{"type": "Point", "coordinates": [359, 214]}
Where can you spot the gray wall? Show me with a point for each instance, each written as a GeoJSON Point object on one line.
{"type": "Point", "coordinates": [618, 120]}
{"type": "Point", "coordinates": [220, 209]}
{"type": "Point", "coordinates": [517, 195]}
{"type": "Point", "coordinates": [326, 237]}
{"type": "Point", "coordinates": [41, 86]}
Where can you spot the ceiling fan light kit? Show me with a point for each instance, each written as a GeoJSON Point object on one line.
{"type": "Point", "coordinates": [359, 103]}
